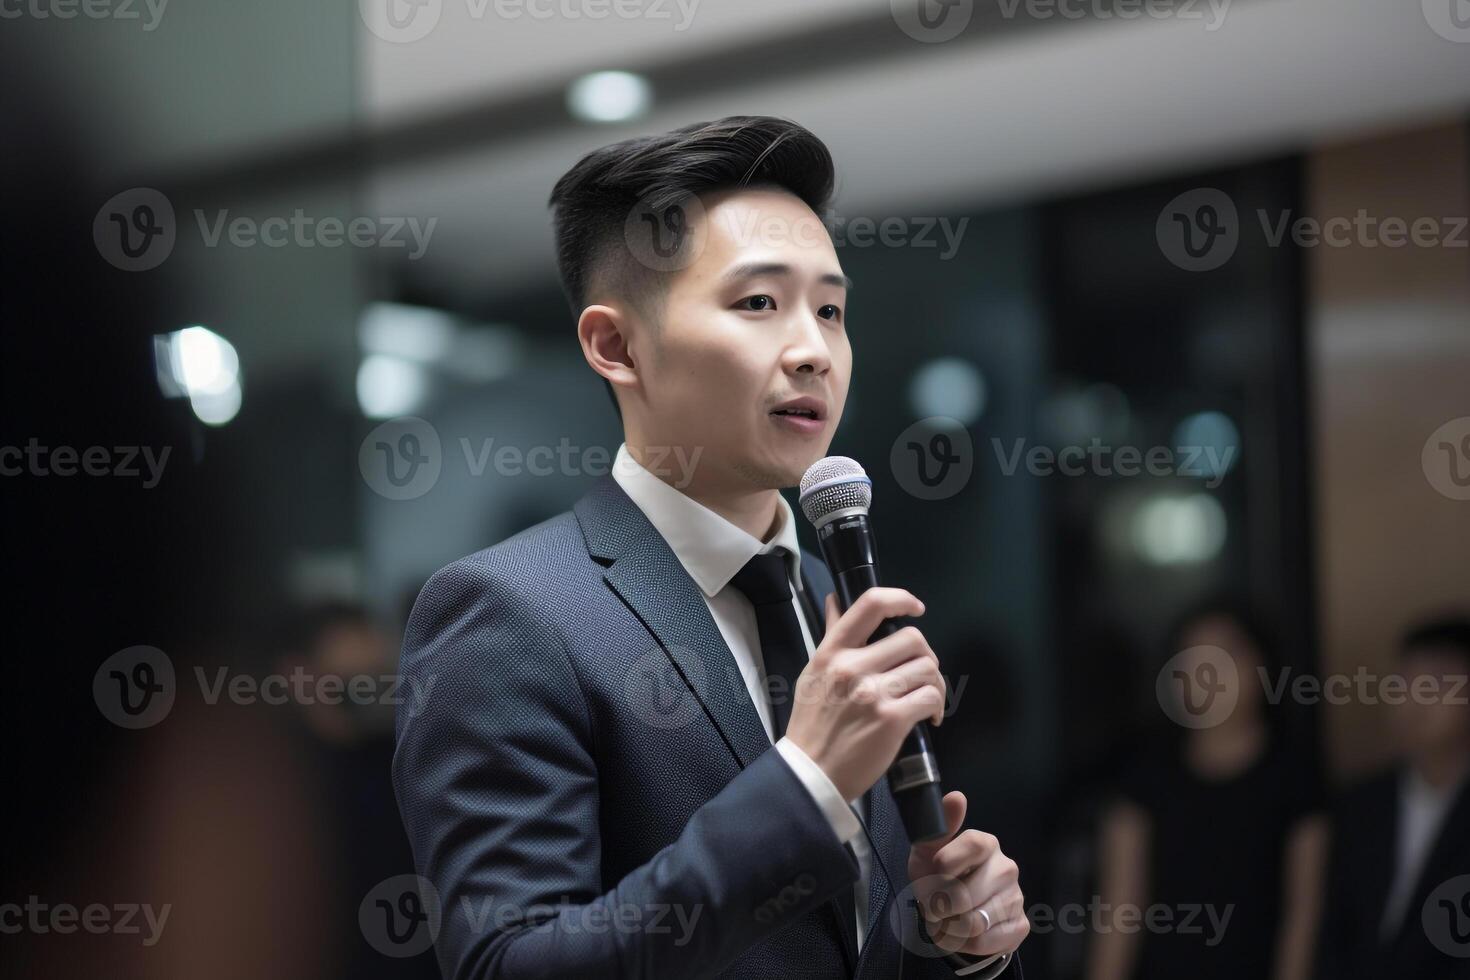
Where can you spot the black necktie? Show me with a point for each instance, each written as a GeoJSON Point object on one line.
{"type": "Point", "coordinates": [765, 582]}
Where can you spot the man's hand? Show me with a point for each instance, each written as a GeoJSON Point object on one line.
{"type": "Point", "coordinates": [954, 878]}
{"type": "Point", "coordinates": [856, 702]}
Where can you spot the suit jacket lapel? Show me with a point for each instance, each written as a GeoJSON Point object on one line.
{"type": "Point", "coordinates": [643, 570]}
{"type": "Point", "coordinates": [1454, 830]}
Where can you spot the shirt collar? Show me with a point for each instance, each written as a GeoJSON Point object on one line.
{"type": "Point", "coordinates": [710, 548]}
{"type": "Point", "coordinates": [1418, 792]}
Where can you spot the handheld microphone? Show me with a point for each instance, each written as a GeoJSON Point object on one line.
{"type": "Point", "coordinates": [835, 496]}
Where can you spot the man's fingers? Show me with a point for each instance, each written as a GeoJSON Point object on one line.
{"type": "Point", "coordinates": [968, 933]}
{"type": "Point", "coordinates": [871, 608]}
{"type": "Point", "coordinates": [890, 651]}
{"type": "Point", "coordinates": [920, 703]}
{"type": "Point", "coordinates": [994, 926]}
{"type": "Point", "coordinates": [900, 680]}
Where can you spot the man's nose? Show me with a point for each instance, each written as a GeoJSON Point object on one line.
{"type": "Point", "coordinates": [808, 354]}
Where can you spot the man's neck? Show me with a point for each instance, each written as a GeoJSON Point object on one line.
{"type": "Point", "coordinates": [1442, 769]}
{"type": "Point", "coordinates": [757, 513]}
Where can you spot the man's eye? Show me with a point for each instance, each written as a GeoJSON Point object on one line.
{"type": "Point", "coordinates": [830, 312]}
{"type": "Point", "coordinates": [763, 303]}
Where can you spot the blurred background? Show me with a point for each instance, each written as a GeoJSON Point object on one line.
{"type": "Point", "coordinates": [1173, 297]}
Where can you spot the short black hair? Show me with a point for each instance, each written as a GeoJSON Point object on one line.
{"type": "Point", "coordinates": [1447, 631]}
{"type": "Point", "coordinates": [592, 202]}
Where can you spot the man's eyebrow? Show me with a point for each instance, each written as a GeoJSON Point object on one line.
{"type": "Point", "coordinates": [750, 270]}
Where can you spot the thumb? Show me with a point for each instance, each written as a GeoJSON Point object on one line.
{"type": "Point", "coordinates": [955, 806]}
{"type": "Point", "coordinates": [831, 613]}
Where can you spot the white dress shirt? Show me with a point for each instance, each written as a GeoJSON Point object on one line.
{"type": "Point", "coordinates": [712, 550]}
{"type": "Point", "coordinates": [1421, 813]}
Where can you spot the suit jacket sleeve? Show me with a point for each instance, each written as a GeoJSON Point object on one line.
{"type": "Point", "coordinates": [497, 782]}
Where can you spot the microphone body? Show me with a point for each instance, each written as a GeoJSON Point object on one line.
{"type": "Point", "coordinates": [851, 554]}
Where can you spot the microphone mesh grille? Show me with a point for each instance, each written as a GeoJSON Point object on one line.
{"type": "Point", "coordinates": [834, 483]}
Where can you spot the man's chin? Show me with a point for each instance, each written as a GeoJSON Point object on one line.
{"type": "Point", "coordinates": [772, 474]}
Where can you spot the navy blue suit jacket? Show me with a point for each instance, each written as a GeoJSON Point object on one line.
{"type": "Point", "coordinates": [589, 788]}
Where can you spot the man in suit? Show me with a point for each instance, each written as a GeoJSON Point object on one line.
{"type": "Point", "coordinates": [1398, 898]}
{"type": "Point", "coordinates": [655, 747]}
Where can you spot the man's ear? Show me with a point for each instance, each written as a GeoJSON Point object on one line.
{"type": "Point", "coordinates": [603, 332]}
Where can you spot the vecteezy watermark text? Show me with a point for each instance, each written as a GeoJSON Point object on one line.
{"type": "Point", "coordinates": [308, 231]}
{"type": "Point", "coordinates": [403, 458]}
{"type": "Point", "coordinates": [1201, 229]}
{"type": "Point", "coordinates": [97, 918]}
{"type": "Point", "coordinates": [1200, 687]}
{"type": "Point", "coordinates": [303, 687]}
{"type": "Point", "coordinates": [136, 230]}
{"type": "Point", "coordinates": [1211, 12]}
{"type": "Point", "coordinates": [1209, 463]}
{"type": "Point", "coordinates": [36, 459]}
{"type": "Point", "coordinates": [593, 918]}
{"type": "Point", "coordinates": [406, 21]}
{"type": "Point", "coordinates": [136, 688]}
{"type": "Point", "coordinates": [90, 9]}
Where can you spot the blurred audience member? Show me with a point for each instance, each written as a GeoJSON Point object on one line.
{"type": "Point", "coordinates": [347, 663]}
{"type": "Point", "coordinates": [1401, 839]}
{"type": "Point", "coordinates": [1211, 863]}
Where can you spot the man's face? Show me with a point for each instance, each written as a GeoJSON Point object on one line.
{"type": "Point", "coordinates": [1225, 633]}
{"type": "Point", "coordinates": [1435, 717]}
{"type": "Point", "coordinates": [756, 321]}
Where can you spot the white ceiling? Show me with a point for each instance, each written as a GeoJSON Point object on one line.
{"type": "Point", "coordinates": [1064, 107]}
{"type": "Point", "coordinates": [472, 54]}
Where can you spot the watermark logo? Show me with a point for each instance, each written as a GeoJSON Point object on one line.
{"type": "Point", "coordinates": [1446, 459]}
{"type": "Point", "coordinates": [1199, 230]}
{"type": "Point", "coordinates": [1446, 917]}
{"type": "Point", "coordinates": [400, 21]}
{"type": "Point", "coordinates": [932, 21]}
{"type": "Point", "coordinates": [790, 897]}
{"type": "Point", "coordinates": [934, 458]}
{"type": "Point", "coordinates": [404, 458]}
{"type": "Point", "coordinates": [135, 688]}
{"type": "Point", "coordinates": [400, 916]}
{"type": "Point", "coordinates": [657, 694]}
{"type": "Point", "coordinates": [666, 237]}
{"type": "Point", "coordinates": [401, 459]}
{"type": "Point", "coordinates": [931, 893]}
{"type": "Point", "coordinates": [1450, 19]}
{"type": "Point", "coordinates": [135, 230]}
{"type": "Point", "coordinates": [1198, 687]}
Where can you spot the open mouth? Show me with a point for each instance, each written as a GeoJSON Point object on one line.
{"type": "Point", "coordinates": [799, 412]}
